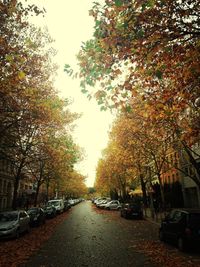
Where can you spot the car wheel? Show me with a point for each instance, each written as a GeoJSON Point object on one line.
{"type": "Point", "coordinates": [181, 244]}
{"type": "Point", "coordinates": [161, 235]}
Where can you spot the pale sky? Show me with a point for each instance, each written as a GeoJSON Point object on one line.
{"type": "Point", "coordinates": [70, 24]}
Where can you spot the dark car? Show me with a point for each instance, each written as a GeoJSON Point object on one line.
{"type": "Point", "coordinates": [13, 223]}
{"type": "Point", "coordinates": [131, 210]}
{"type": "Point", "coordinates": [181, 226]}
{"type": "Point", "coordinates": [50, 211]}
{"type": "Point", "coordinates": [37, 216]}
{"type": "Point", "coordinates": [67, 205]}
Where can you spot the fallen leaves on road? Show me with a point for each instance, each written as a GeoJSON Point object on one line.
{"type": "Point", "coordinates": [147, 234]}
{"type": "Point", "coordinates": [164, 257]}
{"type": "Point", "coordinates": [14, 253]}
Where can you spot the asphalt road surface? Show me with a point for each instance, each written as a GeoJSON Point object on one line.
{"type": "Point", "coordinates": [89, 237]}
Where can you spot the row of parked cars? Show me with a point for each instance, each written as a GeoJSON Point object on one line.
{"type": "Point", "coordinates": [127, 210]}
{"type": "Point", "coordinates": [180, 227]}
{"type": "Point", "coordinates": [15, 222]}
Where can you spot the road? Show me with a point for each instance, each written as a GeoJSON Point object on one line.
{"type": "Point", "coordinates": [89, 237]}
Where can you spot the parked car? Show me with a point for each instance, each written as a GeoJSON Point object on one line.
{"type": "Point", "coordinates": [37, 216]}
{"type": "Point", "coordinates": [113, 205]}
{"type": "Point", "coordinates": [14, 223]}
{"type": "Point", "coordinates": [99, 200]}
{"type": "Point", "coordinates": [67, 205]}
{"type": "Point", "coordinates": [71, 201]}
{"type": "Point", "coordinates": [181, 226]}
{"type": "Point", "coordinates": [131, 210]}
{"type": "Point", "coordinates": [58, 204]}
{"type": "Point", "coordinates": [103, 203]}
{"type": "Point", "coordinates": [50, 211]}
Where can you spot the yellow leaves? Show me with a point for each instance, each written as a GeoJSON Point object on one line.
{"type": "Point", "coordinates": [21, 75]}
{"type": "Point", "coordinates": [9, 58]}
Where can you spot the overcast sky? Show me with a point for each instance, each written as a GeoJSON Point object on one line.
{"type": "Point", "coordinates": [70, 24]}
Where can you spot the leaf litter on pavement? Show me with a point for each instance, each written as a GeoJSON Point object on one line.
{"type": "Point", "coordinates": [16, 252]}
{"type": "Point", "coordinates": [160, 254]}
{"type": "Point", "coordinates": [165, 257]}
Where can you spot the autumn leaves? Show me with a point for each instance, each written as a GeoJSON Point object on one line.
{"type": "Point", "coordinates": [144, 60]}
{"type": "Point", "coordinates": [35, 137]}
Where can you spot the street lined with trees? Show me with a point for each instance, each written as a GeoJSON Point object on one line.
{"type": "Point", "coordinates": [36, 136]}
{"type": "Point", "coordinates": [143, 61]}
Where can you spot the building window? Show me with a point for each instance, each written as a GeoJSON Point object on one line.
{"type": "Point", "coordinates": [4, 187]}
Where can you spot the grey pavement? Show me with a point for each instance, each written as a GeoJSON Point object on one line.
{"type": "Point", "coordinates": [90, 238]}
{"type": "Point", "coordinates": [152, 217]}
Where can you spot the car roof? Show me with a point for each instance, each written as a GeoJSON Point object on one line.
{"type": "Point", "coordinates": [189, 210]}
{"type": "Point", "coordinates": [11, 211]}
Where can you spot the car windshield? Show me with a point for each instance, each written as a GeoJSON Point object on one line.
{"type": "Point", "coordinates": [8, 217]}
{"type": "Point", "coordinates": [135, 205]}
{"type": "Point", "coordinates": [32, 211]}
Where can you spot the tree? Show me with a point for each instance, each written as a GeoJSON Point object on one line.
{"type": "Point", "coordinates": [31, 109]}
{"type": "Point", "coordinates": [149, 50]}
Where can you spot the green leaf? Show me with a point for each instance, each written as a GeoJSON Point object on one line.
{"type": "Point", "coordinates": [128, 109]}
{"type": "Point", "coordinates": [109, 88]}
{"type": "Point", "coordinates": [102, 108]}
{"type": "Point", "coordinates": [97, 23]}
{"type": "Point", "coordinates": [68, 69]}
{"type": "Point", "coordinates": [151, 3]}
{"type": "Point", "coordinates": [84, 91]}
{"type": "Point", "coordinates": [140, 33]}
{"type": "Point", "coordinates": [118, 3]}
{"type": "Point", "coordinates": [9, 58]}
{"type": "Point", "coordinates": [159, 74]}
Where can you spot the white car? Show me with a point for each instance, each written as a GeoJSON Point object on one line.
{"type": "Point", "coordinates": [13, 223]}
{"type": "Point", "coordinates": [58, 204]}
{"type": "Point", "coordinates": [113, 205]}
{"type": "Point", "coordinates": [103, 203]}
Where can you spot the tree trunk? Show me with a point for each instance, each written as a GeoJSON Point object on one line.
{"type": "Point", "coordinates": [47, 191]}
{"type": "Point", "coordinates": [15, 192]}
{"type": "Point", "coordinates": [161, 191]}
{"type": "Point", "coordinates": [143, 186]}
{"type": "Point", "coordinates": [36, 193]}
{"type": "Point", "coordinates": [16, 185]}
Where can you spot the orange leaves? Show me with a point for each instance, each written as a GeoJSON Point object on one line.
{"type": "Point", "coordinates": [16, 252]}
{"type": "Point", "coordinates": [32, 113]}
{"type": "Point", "coordinates": [164, 256]}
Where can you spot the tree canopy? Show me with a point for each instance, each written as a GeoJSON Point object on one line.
{"type": "Point", "coordinates": [144, 59]}
{"type": "Point", "coordinates": [36, 133]}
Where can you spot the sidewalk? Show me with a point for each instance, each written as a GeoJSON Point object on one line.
{"type": "Point", "coordinates": [153, 217]}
